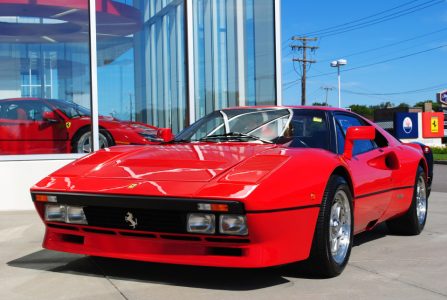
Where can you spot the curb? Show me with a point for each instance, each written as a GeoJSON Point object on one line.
{"type": "Point", "coordinates": [440, 162]}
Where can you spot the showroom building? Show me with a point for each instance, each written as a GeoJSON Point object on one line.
{"type": "Point", "coordinates": [162, 63]}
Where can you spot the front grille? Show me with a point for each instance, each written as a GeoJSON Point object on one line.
{"type": "Point", "coordinates": [147, 220]}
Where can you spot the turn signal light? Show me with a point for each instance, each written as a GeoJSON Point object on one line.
{"type": "Point", "coordinates": [213, 207]}
{"type": "Point", "coordinates": [46, 198]}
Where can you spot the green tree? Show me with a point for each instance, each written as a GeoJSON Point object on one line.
{"type": "Point", "coordinates": [382, 105]}
{"type": "Point", "coordinates": [362, 110]}
{"type": "Point", "coordinates": [435, 105]}
{"type": "Point", "coordinates": [319, 104]}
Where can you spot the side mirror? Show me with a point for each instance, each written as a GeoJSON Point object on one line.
{"type": "Point", "coordinates": [50, 117]}
{"type": "Point", "coordinates": [356, 133]}
{"type": "Point", "coordinates": [165, 134]}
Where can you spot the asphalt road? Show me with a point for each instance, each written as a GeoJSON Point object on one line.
{"type": "Point", "coordinates": [382, 266]}
{"type": "Point", "coordinates": [440, 178]}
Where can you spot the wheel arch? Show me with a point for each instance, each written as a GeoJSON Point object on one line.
{"type": "Point", "coordinates": [87, 127]}
{"type": "Point", "coordinates": [343, 172]}
{"type": "Point", "coordinates": [423, 165]}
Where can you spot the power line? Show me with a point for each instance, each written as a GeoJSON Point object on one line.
{"type": "Point", "coordinates": [421, 90]}
{"type": "Point", "coordinates": [383, 19]}
{"type": "Point", "coordinates": [357, 24]}
{"type": "Point", "coordinates": [388, 45]}
{"type": "Point", "coordinates": [304, 61]}
{"type": "Point", "coordinates": [383, 61]}
{"type": "Point", "coordinates": [358, 20]}
{"type": "Point", "coordinates": [327, 89]}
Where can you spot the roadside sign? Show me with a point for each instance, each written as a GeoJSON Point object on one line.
{"type": "Point", "coordinates": [406, 125]}
{"type": "Point", "coordinates": [442, 97]}
{"type": "Point", "coordinates": [432, 125]}
{"type": "Point", "coordinates": [435, 125]}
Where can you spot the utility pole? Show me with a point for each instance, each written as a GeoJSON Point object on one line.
{"type": "Point", "coordinates": [304, 61]}
{"type": "Point", "coordinates": [327, 89]}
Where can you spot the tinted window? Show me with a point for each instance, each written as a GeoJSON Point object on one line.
{"type": "Point", "coordinates": [23, 110]}
{"type": "Point", "coordinates": [308, 129]}
{"type": "Point", "coordinates": [343, 123]}
{"type": "Point", "coordinates": [71, 110]}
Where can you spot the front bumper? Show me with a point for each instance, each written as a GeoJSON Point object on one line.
{"type": "Point", "coordinates": [275, 238]}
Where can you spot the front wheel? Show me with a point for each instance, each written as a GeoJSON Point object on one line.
{"type": "Point", "coordinates": [82, 142]}
{"type": "Point", "coordinates": [333, 237]}
{"type": "Point", "coordinates": [413, 221]}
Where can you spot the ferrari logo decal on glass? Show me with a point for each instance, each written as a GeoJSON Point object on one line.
{"type": "Point", "coordinates": [129, 218]}
{"type": "Point", "coordinates": [131, 186]}
{"type": "Point", "coordinates": [68, 124]}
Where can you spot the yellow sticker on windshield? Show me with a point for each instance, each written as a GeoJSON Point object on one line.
{"type": "Point", "coordinates": [316, 119]}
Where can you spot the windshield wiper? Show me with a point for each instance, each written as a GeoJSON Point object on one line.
{"type": "Point", "coordinates": [178, 141]}
{"type": "Point", "coordinates": [234, 135]}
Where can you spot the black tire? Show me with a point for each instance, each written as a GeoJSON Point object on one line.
{"type": "Point", "coordinates": [410, 223]}
{"type": "Point", "coordinates": [321, 258]}
{"type": "Point", "coordinates": [105, 137]}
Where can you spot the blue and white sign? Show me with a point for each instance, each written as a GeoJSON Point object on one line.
{"type": "Point", "coordinates": [442, 97]}
{"type": "Point", "coordinates": [406, 125]}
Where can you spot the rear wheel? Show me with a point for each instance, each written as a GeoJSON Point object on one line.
{"type": "Point", "coordinates": [413, 221]}
{"type": "Point", "coordinates": [82, 141]}
{"type": "Point", "coordinates": [333, 237]}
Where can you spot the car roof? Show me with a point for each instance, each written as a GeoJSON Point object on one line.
{"type": "Point", "coordinates": [324, 108]}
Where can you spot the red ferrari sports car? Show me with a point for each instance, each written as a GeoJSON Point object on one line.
{"type": "Point", "coordinates": [244, 187]}
{"type": "Point", "coordinates": [43, 126]}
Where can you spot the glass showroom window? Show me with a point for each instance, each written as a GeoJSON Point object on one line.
{"type": "Point", "coordinates": [234, 53]}
{"type": "Point", "coordinates": [44, 55]}
{"type": "Point", "coordinates": [160, 66]}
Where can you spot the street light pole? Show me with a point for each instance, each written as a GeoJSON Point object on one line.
{"type": "Point", "coordinates": [337, 64]}
{"type": "Point", "coordinates": [339, 87]}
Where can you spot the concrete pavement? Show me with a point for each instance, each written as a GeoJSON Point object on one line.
{"type": "Point", "coordinates": [439, 178]}
{"type": "Point", "coordinates": [382, 266]}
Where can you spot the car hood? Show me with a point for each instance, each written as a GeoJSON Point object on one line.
{"type": "Point", "coordinates": [172, 162]}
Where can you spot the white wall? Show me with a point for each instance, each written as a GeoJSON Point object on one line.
{"type": "Point", "coordinates": [16, 178]}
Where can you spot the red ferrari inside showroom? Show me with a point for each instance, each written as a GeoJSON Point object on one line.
{"type": "Point", "coordinates": [197, 149]}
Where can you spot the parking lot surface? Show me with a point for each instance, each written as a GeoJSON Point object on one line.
{"type": "Point", "coordinates": [382, 266]}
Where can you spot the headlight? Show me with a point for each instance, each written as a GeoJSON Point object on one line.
{"type": "Point", "coordinates": [55, 213]}
{"type": "Point", "coordinates": [75, 215]}
{"type": "Point", "coordinates": [233, 224]}
{"type": "Point", "coordinates": [201, 223]}
{"type": "Point", "coordinates": [151, 137]}
{"type": "Point", "coordinates": [65, 213]}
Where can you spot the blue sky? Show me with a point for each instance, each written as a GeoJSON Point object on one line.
{"type": "Point", "coordinates": [424, 30]}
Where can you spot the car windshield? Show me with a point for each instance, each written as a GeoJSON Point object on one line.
{"type": "Point", "coordinates": [245, 125]}
{"type": "Point", "coordinates": [294, 128]}
{"type": "Point", "coordinates": [71, 110]}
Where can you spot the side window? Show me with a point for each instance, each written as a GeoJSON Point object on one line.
{"type": "Point", "coordinates": [23, 110]}
{"type": "Point", "coordinates": [340, 138]}
{"type": "Point", "coordinates": [12, 111]}
{"type": "Point", "coordinates": [343, 122]}
{"type": "Point", "coordinates": [380, 140]}
{"type": "Point", "coordinates": [308, 129]}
